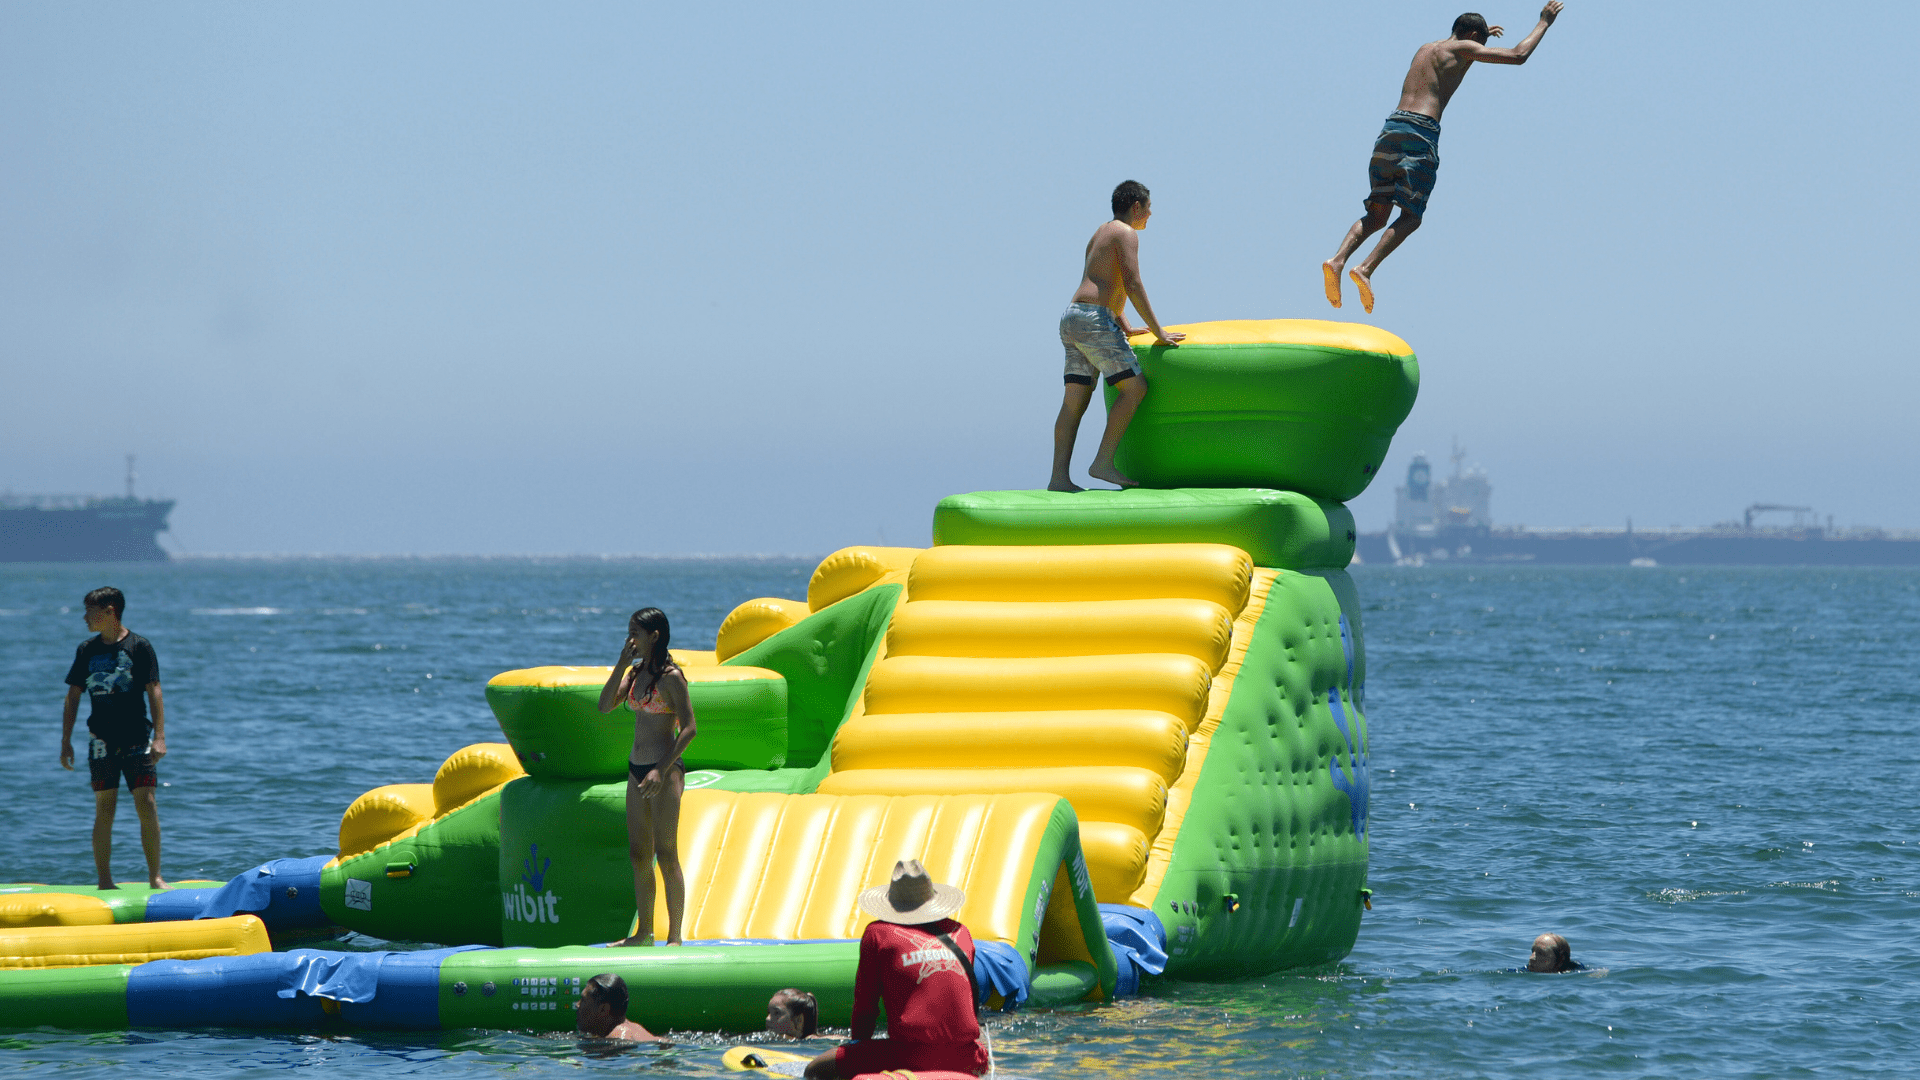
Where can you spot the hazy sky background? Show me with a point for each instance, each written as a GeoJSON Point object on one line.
{"type": "Point", "coordinates": [775, 278]}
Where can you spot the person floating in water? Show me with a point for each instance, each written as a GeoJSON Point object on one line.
{"type": "Point", "coordinates": [117, 671]}
{"type": "Point", "coordinates": [1095, 332]}
{"type": "Point", "coordinates": [646, 678]}
{"type": "Point", "coordinates": [602, 1011]}
{"type": "Point", "coordinates": [1552, 955]}
{"type": "Point", "coordinates": [1406, 156]}
{"type": "Point", "coordinates": [793, 1014]}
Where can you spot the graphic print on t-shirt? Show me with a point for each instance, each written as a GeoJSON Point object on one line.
{"type": "Point", "coordinates": [116, 676]}
{"type": "Point", "coordinates": [110, 673]}
{"type": "Point", "coordinates": [933, 958]}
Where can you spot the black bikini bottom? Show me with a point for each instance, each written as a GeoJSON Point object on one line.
{"type": "Point", "coordinates": [639, 772]}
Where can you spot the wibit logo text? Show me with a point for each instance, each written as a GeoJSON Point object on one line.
{"type": "Point", "coordinates": [523, 906]}
{"type": "Point", "coordinates": [527, 901]}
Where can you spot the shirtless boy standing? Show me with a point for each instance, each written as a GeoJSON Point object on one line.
{"type": "Point", "coordinates": [1095, 331]}
{"type": "Point", "coordinates": [1407, 154]}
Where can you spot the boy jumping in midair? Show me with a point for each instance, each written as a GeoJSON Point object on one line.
{"type": "Point", "coordinates": [1407, 154]}
{"type": "Point", "coordinates": [1095, 331]}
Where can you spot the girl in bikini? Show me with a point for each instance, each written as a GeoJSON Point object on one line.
{"type": "Point", "coordinates": [647, 679]}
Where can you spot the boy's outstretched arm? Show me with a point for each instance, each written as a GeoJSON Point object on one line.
{"type": "Point", "coordinates": [1137, 290]}
{"type": "Point", "coordinates": [1518, 54]}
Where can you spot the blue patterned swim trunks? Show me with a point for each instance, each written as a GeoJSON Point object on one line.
{"type": "Point", "coordinates": [1405, 158]}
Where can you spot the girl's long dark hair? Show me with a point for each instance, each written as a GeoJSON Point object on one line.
{"type": "Point", "coordinates": [653, 620]}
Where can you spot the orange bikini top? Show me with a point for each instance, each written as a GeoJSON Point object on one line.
{"type": "Point", "coordinates": [653, 703]}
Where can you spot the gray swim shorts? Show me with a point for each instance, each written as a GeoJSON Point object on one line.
{"type": "Point", "coordinates": [1095, 346]}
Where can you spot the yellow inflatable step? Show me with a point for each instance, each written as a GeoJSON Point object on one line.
{"type": "Point", "coordinates": [993, 740]}
{"type": "Point", "coordinates": [471, 772]}
{"type": "Point", "coordinates": [754, 622]}
{"type": "Point", "coordinates": [1127, 796]}
{"type": "Point", "coordinates": [53, 909]}
{"type": "Point", "coordinates": [1165, 682]}
{"type": "Point", "coordinates": [1116, 859]}
{"type": "Point", "coordinates": [382, 814]}
{"type": "Point", "coordinates": [854, 569]}
{"type": "Point", "coordinates": [131, 943]}
{"type": "Point", "coordinates": [1198, 628]}
{"type": "Point", "coordinates": [1214, 572]}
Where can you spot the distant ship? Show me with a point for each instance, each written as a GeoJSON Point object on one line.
{"type": "Point", "coordinates": [1451, 520]}
{"type": "Point", "coordinates": [83, 528]}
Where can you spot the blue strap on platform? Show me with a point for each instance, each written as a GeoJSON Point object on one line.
{"type": "Point", "coordinates": [998, 969]}
{"type": "Point", "coordinates": [180, 905]}
{"type": "Point", "coordinates": [286, 989]}
{"type": "Point", "coordinates": [1139, 943]}
{"type": "Point", "coordinates": [285, 893]}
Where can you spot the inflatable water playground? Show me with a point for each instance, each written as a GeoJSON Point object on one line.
{"type": "Point", "coordinates": [1129, 724]}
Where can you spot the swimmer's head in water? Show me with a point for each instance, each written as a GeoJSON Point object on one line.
{"type": "Point", "coordinates": [1551, 953]}
{"type": "Point", "coordinates": [603, 1005]}
{"type": "Point", "coordinates": [1471, 27]}
{"type": "Point", "coordinates": [794, 1014]}
{"type": "Point", "coordinates": [1129, 195]}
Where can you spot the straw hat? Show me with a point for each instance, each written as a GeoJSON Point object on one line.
{"type": "Point", "coordinates": [912, 897]}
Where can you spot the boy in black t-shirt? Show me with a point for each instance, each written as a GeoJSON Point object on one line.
{"type": "Point", "coordinates": [119, 671]}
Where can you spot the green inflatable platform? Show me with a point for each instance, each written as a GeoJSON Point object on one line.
{"type": "Point", "coordinates": [1295, 404]}
{"type": "Point", "coordinates": [1278, 528]}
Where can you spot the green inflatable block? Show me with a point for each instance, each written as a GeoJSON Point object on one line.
{"type": "Point", "coordinates": [90, 998]}
{"type": "Point", "coordinates": [780, 781]}
{"type": "Point", "coordinates": [1296, 404]}
{"type": "Point", "coordinates": [824, 657]}
{"type": "Point", "coordinates": [554, 723]}
{"type": "Point", "coordinates": [563, 872]}
{"type": "Point", "coordinates": [1277, 528]}
{"type": "Point", "coordinates": [1271, 858]}
{"type": "Point", "coordinates": [1065, 983]}
{"type": "Point", "coordinates": [437, 885]}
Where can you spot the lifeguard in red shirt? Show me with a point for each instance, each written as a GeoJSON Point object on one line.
{"type": "Point", "coordinates": [920, 963]}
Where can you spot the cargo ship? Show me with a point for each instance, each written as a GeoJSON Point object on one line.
{"type": "Point", "coordinates": [1451, 520]}
{"type": "Point", "coordinates": [83, 528]}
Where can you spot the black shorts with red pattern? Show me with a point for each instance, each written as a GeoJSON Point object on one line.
{"type": "Point", "coordinates": [107, 763]}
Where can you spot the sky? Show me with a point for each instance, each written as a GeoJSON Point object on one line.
{"type": "Point", "coordinates": [727, 278]}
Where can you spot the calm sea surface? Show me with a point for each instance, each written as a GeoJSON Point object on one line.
{"type": "Point", "coordinates": [1706, 779]}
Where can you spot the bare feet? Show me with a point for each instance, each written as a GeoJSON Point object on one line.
{"type": "Point", "coordinates": [1366, 289]}
{"type": "Point", "coordinates": [1111, 475]}
{"type": "Point", "coordinates": [105, 885]}
{"type": "Point", "coordinates": [635, 942]}
{"type": "Point", "coordinates": [156, 883]}
{"type": "Point", "coordinates": [1330, 277]}
{"type": "Point", "coordinates": [1064, 485]}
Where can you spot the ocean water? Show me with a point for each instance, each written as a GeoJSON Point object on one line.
{"type": "Point", "coordinates": [1704, 778]}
